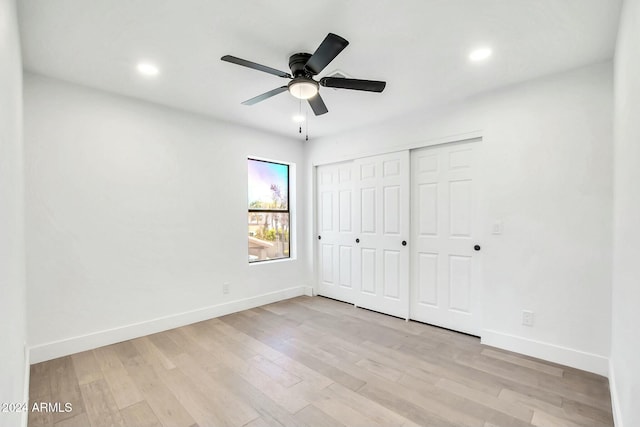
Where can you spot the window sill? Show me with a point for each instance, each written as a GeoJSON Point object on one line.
{"type": "Point", "coordinates": [272, 261]}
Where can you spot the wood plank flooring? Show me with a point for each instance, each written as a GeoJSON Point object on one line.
{"type": "Point", "coordinates": [313, 362]}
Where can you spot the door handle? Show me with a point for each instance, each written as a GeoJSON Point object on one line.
{"type": "Point", "coordinates": [319, 237]}
{"type": "Point", "coordinates": [404, 243]}
{"type": "Point", "coordinates": [357, 240]}
{"type": "Point", "coordinates": [476, 248]}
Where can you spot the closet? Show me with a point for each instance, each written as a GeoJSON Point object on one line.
{"type": "Point", "coordinates": [397, 233]}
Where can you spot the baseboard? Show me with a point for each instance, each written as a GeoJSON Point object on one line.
{"type": "Point", "coordinates": [615, 403]}
{"type": "Point", "coordinates": [55, 349]}
{"type": "Point", "coordinates": [554, 353]}
{"type": "Point", "coordinates": [308, 291]}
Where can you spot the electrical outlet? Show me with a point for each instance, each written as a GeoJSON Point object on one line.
{"type": "Point", "coordinates": [225, 288]}
{"type": "Point", "coordinates": [527, 318]}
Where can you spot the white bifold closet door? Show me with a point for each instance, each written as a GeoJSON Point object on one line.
{"type": "Point", "coordinates": [381, 229]}
{"type": "Point", "coordinates": [444, 262]}
{"type": "Point", "coordinates": [335, 231]}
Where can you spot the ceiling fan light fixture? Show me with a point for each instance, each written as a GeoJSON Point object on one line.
{"type": "Point", "coordinates": [303, 88]}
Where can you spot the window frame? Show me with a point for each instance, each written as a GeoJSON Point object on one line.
{"type": "Point", "coordinates": [274, 211]}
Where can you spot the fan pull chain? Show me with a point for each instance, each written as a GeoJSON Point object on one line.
{"type": "Point", "coordinates": [306, 124]}
{"type": "Point", "coordinates": [300, 114]}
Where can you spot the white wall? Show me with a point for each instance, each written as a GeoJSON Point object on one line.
{"type": "Point", "coordinates": [13, 363]}
{"type": "Point", "coordinates": [137, 215]}
{"type": "Point", "coordinates": [625, 339]}
{"type": "Point", "coordinates": [546, 158]}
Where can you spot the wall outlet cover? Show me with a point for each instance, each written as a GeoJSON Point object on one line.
{"type": "Point", "coordinates": [527, 318]}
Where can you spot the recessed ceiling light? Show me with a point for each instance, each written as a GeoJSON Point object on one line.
{"type": "Point", "coordinates": [480, 54]}
{"type": "Point", "coordinates": [148, 69]}
{"type": "Point", "coordinates": [298, 118]}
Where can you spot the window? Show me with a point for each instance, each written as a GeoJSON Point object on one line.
{"type": "Point", "coordinates": [269, 215]}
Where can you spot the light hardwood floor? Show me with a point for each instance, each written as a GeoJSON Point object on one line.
{"type": "Point", "coordinates": [313, 362]}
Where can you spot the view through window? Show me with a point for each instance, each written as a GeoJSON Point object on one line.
{"type": "Point", "coordinates": [269, 216]}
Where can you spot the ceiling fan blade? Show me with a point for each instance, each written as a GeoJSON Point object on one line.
{"type": "Point", "coordinates": [330, 47]}
{"type": "Point", "coordinates": [255, 66]}
{"type": "Point", "coordinates": [353, 84]}
{"type": "Point", "coordinates": [265, 95]}
{"type": "Point", "coordinates": [317, 105]}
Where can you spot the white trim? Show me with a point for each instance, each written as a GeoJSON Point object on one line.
{"type": "Point", "coordinates": [52, 350]}
{"type": "Point", "coordinates": [265, 159]}
{"type": "Point", "coordinates": [315, 253]}
{"type": "Point", "coordinates": [461, 137]}
{"type": "Point", "coordinates": [615, 401]}
{"type": "Point", "coordinates": [27, 376]}
{"type": "Point", "coordinates": [308, 291]}
{"type": "Point", "coordinates": [554, 353]}
{"type": "Point", "coordinates": [272, 261]}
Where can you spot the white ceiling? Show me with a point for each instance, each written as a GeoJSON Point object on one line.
{"type": "Point", "coordinates": [419, 47]}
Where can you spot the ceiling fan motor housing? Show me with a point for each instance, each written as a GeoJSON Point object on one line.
{"type": "Point", "coordinates": [297, 63]}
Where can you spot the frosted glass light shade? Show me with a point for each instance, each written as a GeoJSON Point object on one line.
{"type": "Point", "coordinates": [303, 89]}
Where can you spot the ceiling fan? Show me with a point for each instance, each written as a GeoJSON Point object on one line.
{"type": "Point", "coordinates": [303, 67]}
